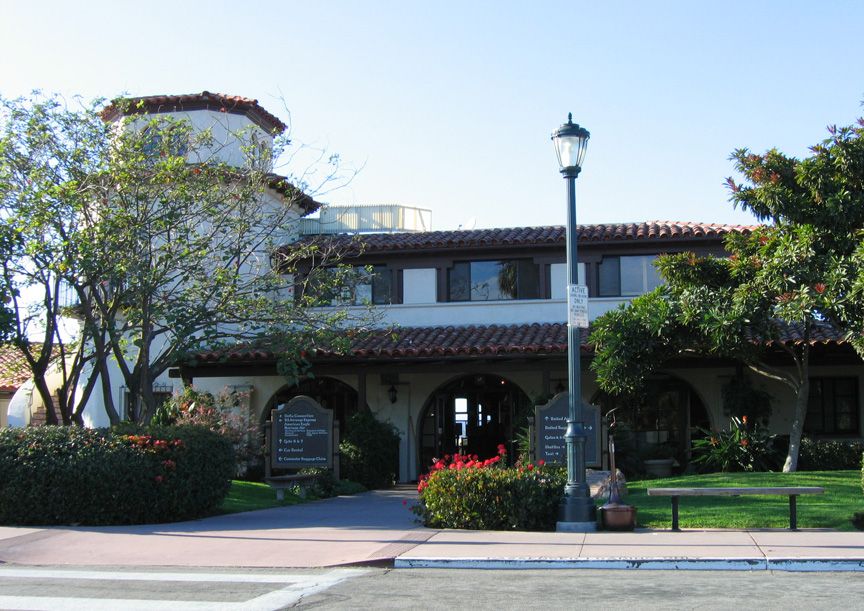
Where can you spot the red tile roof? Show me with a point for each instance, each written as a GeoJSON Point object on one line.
{"type": "Point", "coordinates": [197, 101]}
{"type": "Point", "coordinates": [820, 334]}
{"type": "Point", "coordinates": [479, 340]}
{"type": "Point", "coordinates": [13, 369]}
{"type": "Point", "coordinates": [470, 341]}
{"type": "Point", "coordinates": [530, 236]}
{"type": "Point", "coordinates": [431, 342]}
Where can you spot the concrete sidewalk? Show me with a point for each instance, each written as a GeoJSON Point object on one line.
{"type": "Point", "coordinates": [365, 528]}
{"type": "Point", "coordinates": [377, 528]}
{"type": "Point", "coordinates": [808, 550]}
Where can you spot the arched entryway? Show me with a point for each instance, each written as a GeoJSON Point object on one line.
{"type": "Point", "coordinates": [471, 414]}
{"type": "Point", "coordinates": [659, 423]}
{"type": "Point", "coordinates": [330, 393]}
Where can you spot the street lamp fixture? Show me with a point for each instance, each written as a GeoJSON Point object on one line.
{"type": "Point", "coordinates": [577, 512]}
{"type": "Point", "coordinates": [571, 142]}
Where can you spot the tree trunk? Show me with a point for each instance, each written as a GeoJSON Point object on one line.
{"type": "Point", "coordinates": [105, 379]}
{"type": "Point", "coordinates": [801, 400]}
{"type": "Point", "coordinates": [47, 399]}
{"type": "Point", "coordinates": [148, 401]}
{"type": "Point", "coordinates": [108, 397]}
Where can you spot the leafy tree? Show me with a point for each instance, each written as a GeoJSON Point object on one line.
{"type": "Point", "coordinates": [44, 172]}
{"type": "Point", "coordinates": [799, 274]}
{"type": "Point", "coordinates": [166, 237]}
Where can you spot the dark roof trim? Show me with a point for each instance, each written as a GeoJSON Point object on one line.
{"type": "Point", "coordinates": [283, 187]}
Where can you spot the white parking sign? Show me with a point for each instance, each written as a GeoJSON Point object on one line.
{"type": "Point", "coordinates": [577, 305]}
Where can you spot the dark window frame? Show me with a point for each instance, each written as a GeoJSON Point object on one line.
{"type": "Point", "coordinates": [822, 406]}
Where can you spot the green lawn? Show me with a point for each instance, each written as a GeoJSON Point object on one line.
{"type": "Point", "coordinates": [249, 496]}
{"type": "Point", "coordinates": [834, 509]}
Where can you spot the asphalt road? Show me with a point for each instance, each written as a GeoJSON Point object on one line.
{"type": "Point", "coordinates": [376, 588]}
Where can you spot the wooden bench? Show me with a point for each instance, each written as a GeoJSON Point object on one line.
{"type": "Point", "coordinates": [791, 492]}
{"type": "Point", "coordinates": [280, 482]}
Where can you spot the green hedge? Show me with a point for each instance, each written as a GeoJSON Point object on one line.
{"type": "Point", "coordinates": [829, 455]}
{"type": "Point", "coordinates": [493, 498]}
{"type": "Point", "coordinates": [69, 475]}
{"type": "Point", "coordinates": [369, 451]}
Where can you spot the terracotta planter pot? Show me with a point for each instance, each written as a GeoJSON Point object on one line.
{"type": "Point", "coordinates": [617, 517]}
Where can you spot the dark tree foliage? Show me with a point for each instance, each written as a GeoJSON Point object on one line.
{"type": "Point", "coordinates": [801, 271]}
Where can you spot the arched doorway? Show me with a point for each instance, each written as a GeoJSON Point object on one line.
{"type": "Point", "coordinates": [330, 393]}
{"type": "Point", "coordinates": [470, 415]}
{"type": "Point", "coordinates": [659, 423]}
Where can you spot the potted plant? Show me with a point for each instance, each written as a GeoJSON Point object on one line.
{"type": "Point", "coordinates": [615, 515]}
{"type": "Point", "coordinates": [658, 460]}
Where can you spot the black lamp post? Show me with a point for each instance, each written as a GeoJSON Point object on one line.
{"type": "Point", "coordinates": [578, 513]}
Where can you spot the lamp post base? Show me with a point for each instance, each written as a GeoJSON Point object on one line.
{"type": "Point", "coordinates": [576, 527]}
{"type": "Point", "coordinates": [577, 514]}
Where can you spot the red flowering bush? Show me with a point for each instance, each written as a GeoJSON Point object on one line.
{"type": "Point", "coordinates": [744, 447]}
{"type": "Point", "coordinates": [70, 475]}
{"type": "Point", "coordinates": [464, 491]}
{"type": "Point", "coordinates": [222, 413]}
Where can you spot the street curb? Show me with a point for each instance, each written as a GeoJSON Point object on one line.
{"type": "Point", "coordinates": [681, 564]}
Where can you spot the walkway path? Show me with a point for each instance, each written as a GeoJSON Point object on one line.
{"type": "Point", "coordinates": [376, 527]}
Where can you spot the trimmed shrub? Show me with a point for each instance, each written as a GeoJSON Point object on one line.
{"type": "Point", "coordinates": [369, 451]}
{"type": "Point", "coordinates": [829, 455]}
{"type": "Point", "coordinates": [70, 475]}
{"type": "Point", "coordinates": [481, 495]}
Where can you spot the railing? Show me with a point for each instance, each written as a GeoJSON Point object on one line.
{"type": "Point", "coordinates": [368, 219]}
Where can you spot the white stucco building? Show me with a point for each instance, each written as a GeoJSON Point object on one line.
{"type": "Point", "coordinates": [473, 327]}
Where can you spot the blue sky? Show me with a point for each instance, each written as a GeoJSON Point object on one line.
{"type": "Point", "coordinates": [449, 105]}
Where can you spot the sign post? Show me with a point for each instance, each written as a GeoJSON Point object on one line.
{"type": "Point", "coordinates": [301, 435]}
{"type": "Point", "coordinates": [550, 424]}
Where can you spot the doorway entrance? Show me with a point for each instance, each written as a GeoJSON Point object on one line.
{"type": "Point", "coordinates": [470, 415]}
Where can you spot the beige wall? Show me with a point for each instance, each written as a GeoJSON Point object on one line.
{"type": "Point", "coordinates": [4, 407]}
{"type": "Point", "coordinates": [414, 390]}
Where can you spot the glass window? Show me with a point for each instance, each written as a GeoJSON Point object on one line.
{"type": "Point", "coordinates": [493, 280]}
{"type": "Point", "coordinates": [627, 276]}
{"type": "Point", "coordinates": [609, 277]}
{"type": "Point", "coordinates": [652, 276]}
{"type": "Point", "coordinates": [360, 286]}
{"type": "Point", "coordinates": [833, 407]}
{"type": "Point", "coordinates": [374, 285]}
{"type": "Point", "coordinates": [528, 279]}
{"type": "Point", "coordinates": [632, 275]}
{"type": "Point", "coordinates": [459, 282]}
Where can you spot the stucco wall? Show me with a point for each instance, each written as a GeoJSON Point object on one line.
{"type": "Point", "coordinates": [4, 407]}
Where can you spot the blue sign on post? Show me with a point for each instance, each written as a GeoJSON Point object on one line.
{"type": "Point", "coordinates": [302, 435]}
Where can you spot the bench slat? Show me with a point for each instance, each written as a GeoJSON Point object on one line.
{"type": "Point", "coordinates": [791, 491]}
{"type": "Point", "coordinates": [729, 491]}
